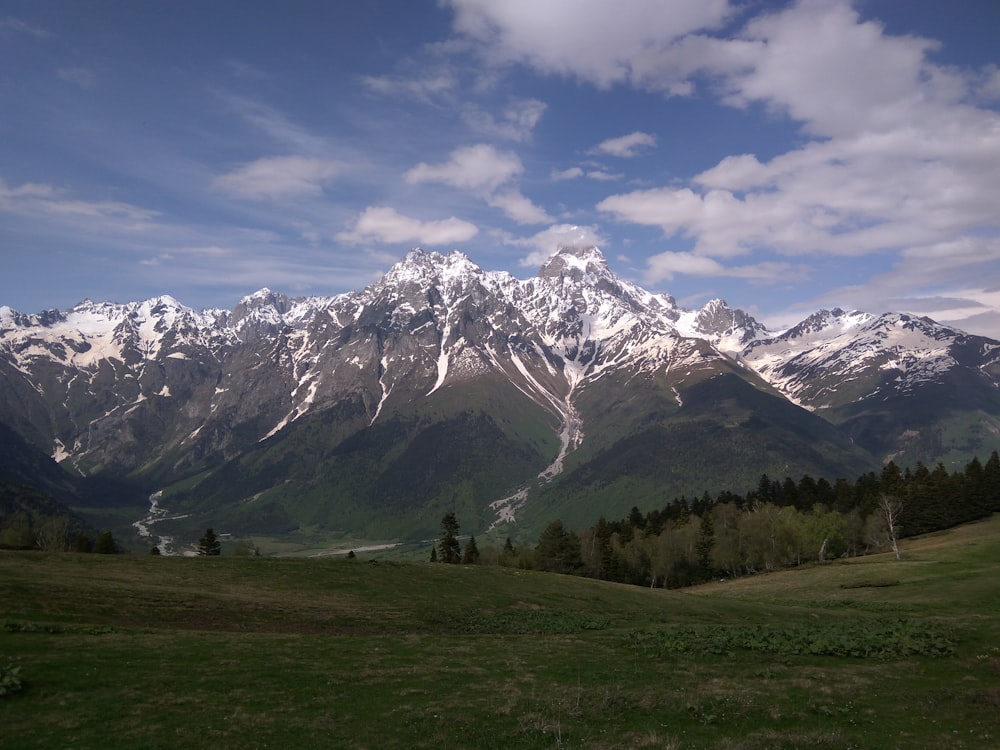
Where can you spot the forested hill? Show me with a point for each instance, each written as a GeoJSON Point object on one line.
{"type": "Point", "coordinates": [778, 524]}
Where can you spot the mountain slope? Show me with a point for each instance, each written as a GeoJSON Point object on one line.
{"type": "Point", "coordinates": [441, 386]}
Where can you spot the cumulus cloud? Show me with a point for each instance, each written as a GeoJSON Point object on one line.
{"type": "Point", "coordinates": [626, 146]}
{"type": "Point", "coordinates": [593, 40]}
{"type": "Point", "coordinates": [386, 225]}
{"type": "Point", "coordinates": [279, 177]}
{"type": "Point", "coordinates": [518, 208]}
{"type": "Point", "coordinates": [480, 168]}
{"type": "Point", "coordinates": [486, 172]}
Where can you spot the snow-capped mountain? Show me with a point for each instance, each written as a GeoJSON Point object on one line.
{"type": "Point", "coordinates": [445, 384]}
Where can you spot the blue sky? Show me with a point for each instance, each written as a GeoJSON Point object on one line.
{"type": "Point", "coordinates": [785, 156]}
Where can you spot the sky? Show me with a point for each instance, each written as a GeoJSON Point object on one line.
{"type": "Point", "coordinates": [784, 156]}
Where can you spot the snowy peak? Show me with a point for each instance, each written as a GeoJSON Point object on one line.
{"type": "Point", "coordinates": [576, 263]}
{"type": "Point", "coordinates": [426, 269]}
{"type": "Point", "coordinates": [259, 314]}
{"type": "Point", "coordinates": [717, 319]}
{"type": "Point", "coordinates": [828, 322]}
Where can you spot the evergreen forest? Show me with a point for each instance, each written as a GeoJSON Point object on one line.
{"type": "Point", "coordinates": [776, 525]}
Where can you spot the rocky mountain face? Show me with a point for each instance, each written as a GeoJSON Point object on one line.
{"type": "Point", "coordinates": [442, 386]}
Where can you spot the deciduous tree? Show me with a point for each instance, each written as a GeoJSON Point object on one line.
{"type": "Point", "coordinates": [889, 508]}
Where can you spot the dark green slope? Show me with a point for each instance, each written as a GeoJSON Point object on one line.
{"type": "Point", "coordinates": [35, 490]}
{"type": "Point", "coordinates": [24, 464]}
{"type": "Point", "coordinates": [727, 433]}
{"type": "Point", "coordinates": [328, 472]}
{"type": "Point", "coordinates": [946, 420]}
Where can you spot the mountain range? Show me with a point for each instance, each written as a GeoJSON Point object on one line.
{"type": "Point", "coordinates": [370, 414]}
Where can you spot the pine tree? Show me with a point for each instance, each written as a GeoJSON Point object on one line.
{"type": "Point", "coordinates": [209, 545]}
{"type": "Point", "coordinates": [558, 550]}
{"type": "Point", "coordinates": [434, 554]}
{"type": "Point", "coordinates": [470, 555]}
{"type": "Point", "coordinates": [449, 549]}
{"type": "Point", "coordinates": [508, 555]}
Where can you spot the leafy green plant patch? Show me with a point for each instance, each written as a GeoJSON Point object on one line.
{"type": "Point", "coordinates": [531, 622]}
{"type": "Point", "coordinates": [13, 626]}
{"type": "Point", "coordinates": [864, 640]}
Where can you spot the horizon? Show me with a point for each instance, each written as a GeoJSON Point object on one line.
{"type": "Point", "coordinates": [784, 156]}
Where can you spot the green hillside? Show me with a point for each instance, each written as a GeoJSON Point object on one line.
{"type": "Point", "coordinates": [141, 651]}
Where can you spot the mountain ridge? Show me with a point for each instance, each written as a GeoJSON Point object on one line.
{"type": "Point", "coordinates": [574, 361]}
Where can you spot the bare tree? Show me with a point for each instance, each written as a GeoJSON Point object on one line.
{"type": "Point", "coordinates": [889, 508]}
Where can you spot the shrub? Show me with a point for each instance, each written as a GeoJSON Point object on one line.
{"type": "Point", "coordinates": [10, 680]}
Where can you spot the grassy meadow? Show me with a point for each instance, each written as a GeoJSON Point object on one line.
{"type": "Point", "coordinates": [136, 651]}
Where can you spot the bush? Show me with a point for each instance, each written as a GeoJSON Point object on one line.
{"type": "Point", "coordinates": [10, 680]}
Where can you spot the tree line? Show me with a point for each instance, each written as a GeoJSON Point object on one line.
{"type": "Point", "coordinates": [777, 524]}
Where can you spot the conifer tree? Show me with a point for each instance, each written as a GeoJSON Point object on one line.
{"type": "Point", "coordinates": [470, 555]}
{"type": "Point", "coordinates": [449, 549]}
{"type": "Point", "coordinates": [209, 545]}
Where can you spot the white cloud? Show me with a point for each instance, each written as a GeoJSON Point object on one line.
{"type": "Point", "coordinates": [518, 208]}
{"type": "Point", "coordinates": [988, 88]}
{"type": "Point", "coordinates": [594, 40]}
{"type": "Point", "coordinates": [479, 168]}
{"type": "Point", "coordinates": [626, 146]}
{"type": "Point", "coordinates": [423, 88]}
{"type": "Point", "coordinates": [35, 199]}
{"type": "Point", "coordinates": [665, 266]}
{"type": "Point", "coordinates": [572, 173]}
{"type": "Point", "coordinates": [279, 177]}
{"type": "Point", "coordinates": [384, 224]}
{"type": "Point", "coordinates": [517, 122]}
{"type": "Point", "coordinates": [82, 77]}
{"type": "Point", "coordinates": [487, 173]}
{"type": "Point", "coordinates": [602, 175]}
{"type": "Point", "coordinates": [835, 73]}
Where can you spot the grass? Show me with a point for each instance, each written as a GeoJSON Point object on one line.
{"type": "Point", "coordinates": [140, 651]}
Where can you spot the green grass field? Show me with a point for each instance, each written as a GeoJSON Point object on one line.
{"type": "Point", "coordinates": [137, 651]}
